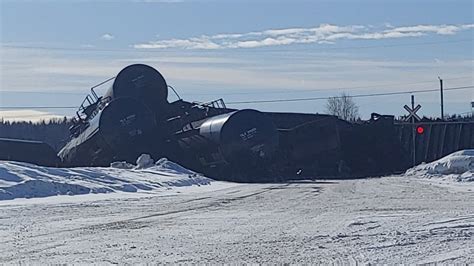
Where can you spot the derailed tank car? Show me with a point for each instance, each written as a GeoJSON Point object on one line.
{"type": "Point", "coordinates": [120, 131]}
{"type": "Point", "coordinates": [29, 151]}
{"type": "Point", "coordinates": [123, 123]}
{"type": "Point", "coordinates": [310, 145]}
{"type": "Point", "coordinates": [231, 145]}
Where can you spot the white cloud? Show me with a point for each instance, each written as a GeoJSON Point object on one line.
{"type": "Point", "coordinates": [193, 43]}
{"type": "Point", "coordinates": [227, 36]}
{"type": "Point", "coordinates": [438, 29]}
{"type": "Point", "coordinates": [265, 42]}
{"type": "Point", "coordinates": [467, 26]}
{"type": "Point", "coordinates": [323, 34]}
{"type": "Point", "coordinates": [107, 37]}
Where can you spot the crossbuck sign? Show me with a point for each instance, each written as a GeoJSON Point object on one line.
{"type": "Point", "coordinates": [412, 113]}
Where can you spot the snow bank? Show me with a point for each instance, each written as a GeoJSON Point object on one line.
{"type": "Point", "coordinates": [458, 166]}
{"type": "Point", "coordinates": [23, 180]}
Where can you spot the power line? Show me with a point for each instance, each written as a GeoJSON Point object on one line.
{"type": "Point", "coordinates": [275, 100]}
{"type": "Point", "coordinates": [353, 96]}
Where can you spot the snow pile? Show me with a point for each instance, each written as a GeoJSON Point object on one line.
{"type": "Point", "coordinates": [144, 161]}
{"type": "Point", "coordinates": [122, 165]}
{"type": "Point", "coordinates": [458, 166]}
{"type": "Point", "coordinates": [168, 166]}
{"type": "Point", "coordinates": [23, 180]}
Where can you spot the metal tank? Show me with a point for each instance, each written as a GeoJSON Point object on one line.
{"type": "Point", "coordinates": [121, 131]}
{"type": "Point", "coordinates": [238, 142]}
{"type": "Point", "coordinates": [142, 83]}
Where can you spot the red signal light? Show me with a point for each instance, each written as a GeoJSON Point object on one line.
{"type": "Point", "coordinates": [420, 130]}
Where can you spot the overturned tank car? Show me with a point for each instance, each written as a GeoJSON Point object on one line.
{"type": "Point", "coordinates": [120, 130]}
{"type": "Point", "coordinates": [120, 124]}
{"type": "Point", "coordinates": [227, 144]}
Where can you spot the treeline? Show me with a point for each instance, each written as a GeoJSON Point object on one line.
{"type": "Point", "coordinates": [460, 118]}
{"type": "Point", "coordinates": [54, 132]}
{"type": "Point", "coordinates": [448, 118]}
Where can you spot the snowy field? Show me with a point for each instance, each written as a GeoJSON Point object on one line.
{"type": "Point", "coordinates": [164, 213]}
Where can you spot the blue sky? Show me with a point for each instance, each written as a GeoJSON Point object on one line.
{"type": "Point", "coordinates": [53, 51]}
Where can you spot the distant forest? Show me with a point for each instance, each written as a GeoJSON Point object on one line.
{"type": "Point", "coordinates": [55, 132]}
{"type": "Point", "coordinates": [448, 118]}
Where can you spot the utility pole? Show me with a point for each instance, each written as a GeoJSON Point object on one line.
{"type": "Point", "coordinates": [442, 100]}
{"type": "Point", "coordinates": [413, 117]}
{"type": "Point", "coordinates": [413, 132]}
{"type": "Point", "coordinates": [472, 108]}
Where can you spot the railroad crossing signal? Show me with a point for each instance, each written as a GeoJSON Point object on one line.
{"type": "Point", "coordinates": [412, 113]}
{"type": "Point", "coordinates": [420, 130]}
{"type": "Point", "coordinates": [414, 117]}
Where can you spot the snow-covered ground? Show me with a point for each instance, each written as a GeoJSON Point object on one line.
{"type": "Point", "coordinates": [397, 219]}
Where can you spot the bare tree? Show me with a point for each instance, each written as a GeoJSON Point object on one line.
{"type": "Point", "coordinates": [343, 106]}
